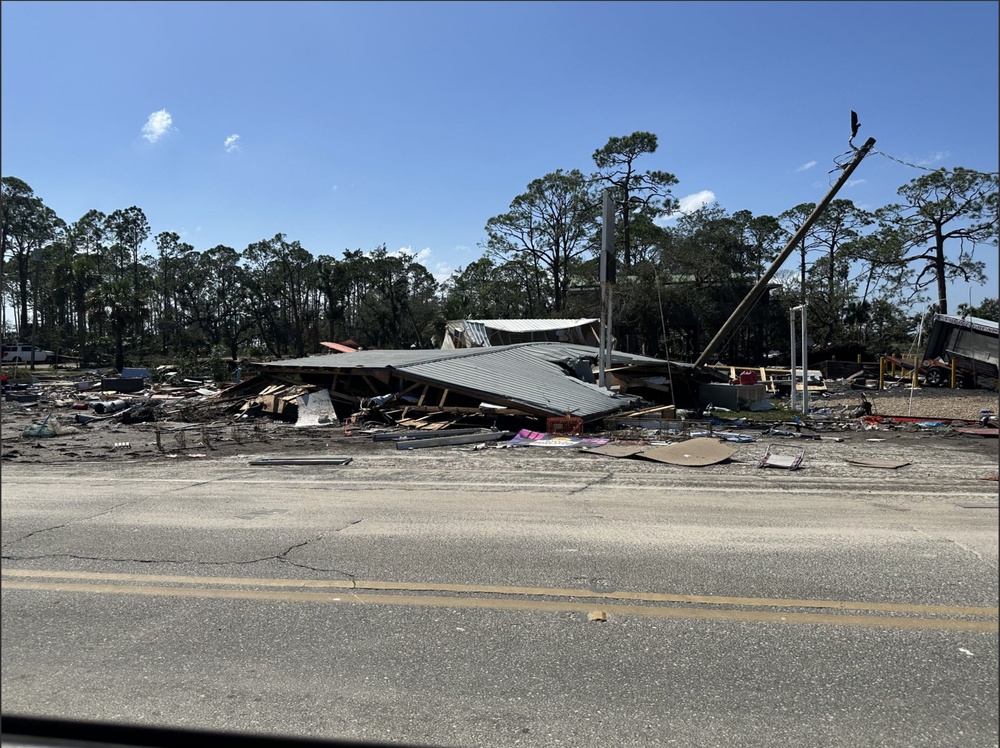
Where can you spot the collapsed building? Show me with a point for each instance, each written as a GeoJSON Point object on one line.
{"type": "Point", "coordinates": [522, 380]}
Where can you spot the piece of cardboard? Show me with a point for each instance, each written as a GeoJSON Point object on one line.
{"type": "Point", "coordinates": [691, 453]}
{"type": "Point", "coordinates": [616, 450]}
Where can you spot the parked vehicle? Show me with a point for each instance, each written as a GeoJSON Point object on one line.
{"type": "Point", "coordinates": [21, 353]}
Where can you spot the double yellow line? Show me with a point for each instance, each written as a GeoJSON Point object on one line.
{"type": "Point", "coordinates": [498, 597]}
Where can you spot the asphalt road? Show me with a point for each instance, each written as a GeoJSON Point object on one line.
{"type": "Point", "coordinates": [444, 598]}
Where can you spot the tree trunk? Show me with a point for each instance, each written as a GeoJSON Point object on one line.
{"type": "Point", "coordinates": [939, 270]}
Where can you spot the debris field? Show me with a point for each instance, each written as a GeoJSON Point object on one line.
{"type": "Point", "coordinates": [530, 395]}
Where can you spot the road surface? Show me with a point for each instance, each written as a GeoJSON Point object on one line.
{"type": "Point", "coordinates": [446, 598]}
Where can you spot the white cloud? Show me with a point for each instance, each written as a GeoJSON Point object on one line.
{"type": "Point", "coordinates": [232, 143]}
{"type": "Point", "coordinates": [158, 125]}
{"type": "Point", "coordinates": [806, 166]}
{"type": "Point", "coordinates": [687, 204]}
{"type": "Point", "coordinates": [853, 182]}
{"type": "Point", "coordinates": [420, 256]}
{"type": "Point", "coordinates": [442, 271]}
{"type": "Point", "coordinates": [934, 158]}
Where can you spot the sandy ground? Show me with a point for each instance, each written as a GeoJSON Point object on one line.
{"type": "Point", "coordinates": [211, 434]}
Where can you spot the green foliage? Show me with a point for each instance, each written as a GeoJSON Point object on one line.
{"type": "Point", "coordinates": [94, 288]}
{"type": "Point", "coordinates": [546, 229]}
{"type": "Point", "coordinates": [636, 193]}
{"type": "Point", "coordinates": [988, 309]}
{"type": "Point", "coordinates": [943, 207]}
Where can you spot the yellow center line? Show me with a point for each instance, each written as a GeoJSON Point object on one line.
{"type": "Point", "coordinates": [654, 597]}
{"type": "Point", "coordinates": [756, 616]}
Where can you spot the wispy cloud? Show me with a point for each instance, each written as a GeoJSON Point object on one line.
{"type": "Point", "coordinates": [441, 271]}
{"type": "Point", "coordinates": [687, 204]}
{"type": "Point", "coordinates": [232, 143]}
{"type": "Point", "coordinates": [158, 125]}
{"type": "Point", "coordinates": [806, 166]}
{"type": "Point", "coordinates": [853, 182]}
{"type": "Point", "coordinates": [934, 158]}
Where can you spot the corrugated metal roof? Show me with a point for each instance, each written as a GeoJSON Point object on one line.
{"type": "Point", "coordinates": [526, 373]}
{"type": "Point", "coordinates": [518, 374]}
{"type": "Point", "coordinates": [380, 359]}
{"type": "Point", "coordinates": [530, 325]}
{"type": "Point", "coordinates": [986, 325]}
{"type": "Point", "coordinates": [404, 357]}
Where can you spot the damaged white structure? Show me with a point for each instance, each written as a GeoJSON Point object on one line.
{"type": "Point", "coordinates": [485, 333]}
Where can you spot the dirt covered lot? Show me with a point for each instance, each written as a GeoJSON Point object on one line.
{"type": "Point", "coordinates": [48, 431]}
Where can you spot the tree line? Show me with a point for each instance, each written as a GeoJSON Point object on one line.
{"type": "Point", "coordinates": [93, 287]}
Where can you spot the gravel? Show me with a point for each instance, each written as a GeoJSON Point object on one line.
{"type": "Point", "coordinates": [941, 404]}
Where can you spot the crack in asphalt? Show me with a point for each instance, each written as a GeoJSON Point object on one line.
{"type": "Point", "coordinates": [279, 557]}
{"type": "Point", "coordinates": [596, 482]}
{"type": "Point", "coordinates": [70, 522]}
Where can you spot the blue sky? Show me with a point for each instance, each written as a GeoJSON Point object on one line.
{"type": "Point", "coordinates": [350, 125]}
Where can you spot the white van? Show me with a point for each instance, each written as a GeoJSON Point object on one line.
{"type": "Point", "coordinates": [21, 353]}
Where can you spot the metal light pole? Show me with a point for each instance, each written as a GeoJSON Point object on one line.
{"type": "Point", "coordinates": [805, 355]}
{"type": "Point", "coordinates": [791, 364]}
{"type": "Point", "coordinates": [805, 361]}
{"type": "Point", "coordinates": [607, 279]}
{"type": "Point", "coordinates": [36, 256]}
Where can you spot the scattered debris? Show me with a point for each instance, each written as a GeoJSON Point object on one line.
{"type": "Point", "coordinates": [789, 460]}
{"type": "Point", "coordinates": [315, 409]}
{"type": "Point", "coordinates": [48, 428]}
{"type": "Point", "coordinates": [887, 464]}
{"type": "Point", "coordinates": [597, 615]}
{"type": "Point", "coordinates": [447, 441]}
{"type": "Point", "coordinates": [526, 438]}
{"type": "Point", "coordinates": [39, 430]}
{"type": "Point", "coordinates": [988, 433]}
{"type": "Point", "coordinates": [109, 407]}
{"type": "Point", "coordinates": [399, 436]}
{"type": "Point", "coordinates": [301, 461]}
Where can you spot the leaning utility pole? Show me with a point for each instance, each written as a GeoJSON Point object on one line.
{"type": "Point", "coordinates": [755, 293]}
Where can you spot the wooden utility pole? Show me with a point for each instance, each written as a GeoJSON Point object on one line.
{"type": "Point", "coordinates": [755, 293]}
